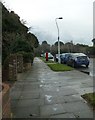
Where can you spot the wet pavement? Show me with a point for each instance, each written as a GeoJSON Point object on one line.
{"type": "Point", "coordinates": [42, 93]}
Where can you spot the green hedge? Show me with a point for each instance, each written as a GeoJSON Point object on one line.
{"type": "Point", "coordinates": [27, 56]}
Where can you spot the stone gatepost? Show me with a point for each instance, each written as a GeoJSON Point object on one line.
{"type": "Point", "coordinates": [13, 67]}
{"type": "Point", "coordinates": [27, 66]}
{"type": "Point", "coordinates": [19, 63]}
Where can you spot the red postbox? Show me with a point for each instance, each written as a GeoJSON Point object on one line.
{"type": "Point", "coordinates": [46, 56]}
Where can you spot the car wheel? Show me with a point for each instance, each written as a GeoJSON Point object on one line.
{"type": "Point", "coordinates": [68, 63]}
{"type": "Point", "coordinates": [57, 60]}
{"type": "Point", "coordinates": [74, 65]}
{"type": "Point", "coordinates": [86, 66]}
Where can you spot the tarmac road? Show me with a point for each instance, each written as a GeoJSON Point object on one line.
{"type": "Point", "coordinates": [90, 70]}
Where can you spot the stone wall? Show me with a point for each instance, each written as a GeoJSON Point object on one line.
{"type": "Point", "coordinates": [14, 64]}
{"type": "Point", "coordinates": [26, 66]}
{"type": "Point", "coordinates": [19, 63]}
{"type": "Point", "coordinates": [13, 67]}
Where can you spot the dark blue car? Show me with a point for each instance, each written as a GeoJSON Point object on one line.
{"type": "Point", "coordinates": [64, 57]}
{"type": "Point", "coordinates": [78, 59]}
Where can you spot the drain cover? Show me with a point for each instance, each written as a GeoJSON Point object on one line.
{"type": "Point", "coordinates": [32, 115]}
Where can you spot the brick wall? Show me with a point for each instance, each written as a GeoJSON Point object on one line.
{"type": "Point", "coordinates": [6, 111]}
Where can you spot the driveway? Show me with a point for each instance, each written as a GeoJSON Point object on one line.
{"type": "Point", "coordinates": [42, 93]}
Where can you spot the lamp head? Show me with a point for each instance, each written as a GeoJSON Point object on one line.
{"type": "Point", "coordinates": [60, 18]}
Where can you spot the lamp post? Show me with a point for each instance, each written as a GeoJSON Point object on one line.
{"type": "Point", "coordinates": [58, 39]}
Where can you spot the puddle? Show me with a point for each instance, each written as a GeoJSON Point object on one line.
{"type": "Point", "coordinates": [92, 74]}
{"type": "Point", "coordinates": [48, 97]}
{"type": "Point", "coordinates": [32, 115]}
{"type": "Point", "coordinates": [42, 81]}
{"type": "Point", "coordinates": [57, 89]}
{"type": "Point", "coordinates": [55, 82]}
{"type": "Point", "coordinates": [77, 96]}
{"type": "Point", "coordinates": [54, 109]}
{"type": "Point", "coordinates": [41, 85]}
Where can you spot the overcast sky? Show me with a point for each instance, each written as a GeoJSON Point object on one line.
{"type": "Point", "coordinates": [76, 25]}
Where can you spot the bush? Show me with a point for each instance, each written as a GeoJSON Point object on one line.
{"type": "Point", "coordinates": [27, 56]}
{"type": "Point", "coordinates": [6, 63]}
{"type": "Point", "coordinates": [21, 45]}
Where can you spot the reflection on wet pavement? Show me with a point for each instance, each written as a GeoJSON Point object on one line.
{"type": "Point", "coordinates": [48, 98]}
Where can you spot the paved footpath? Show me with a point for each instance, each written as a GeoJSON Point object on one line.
{"type": "Point", "coordinates": [42, 93]}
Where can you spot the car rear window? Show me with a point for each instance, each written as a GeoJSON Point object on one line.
{"type": "Point", "coordinates": [82, 57]}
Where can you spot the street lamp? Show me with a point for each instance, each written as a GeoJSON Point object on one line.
{"type": "Point", "coordinates": [58, 39]}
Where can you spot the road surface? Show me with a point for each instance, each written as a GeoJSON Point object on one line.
{"type": "Point", "coordinates": [90, 70]}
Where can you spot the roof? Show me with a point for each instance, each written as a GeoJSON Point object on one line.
{"type": "Point", "coordinates": [79, 54]}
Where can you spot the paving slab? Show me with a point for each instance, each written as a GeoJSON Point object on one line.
{"type": "Point", "coordinates": [15, 95]}
{"type": "Point", "coordinates": [17, 87]}
{"type": "Point", "coordinates": [29, 95]}
{"type": "Point", "coordinates": [83, 114]}
{"type": "Point", "coordinates": [49, 110]}
{"type": "Point", "coordinates": [14, 103]}
{"type": "Point", "coordinates": [30, 87]}
{"type": "Point", "coordinates": [26, 112]}
{"type": "Point", "coordinates": [30, 102]}
{"type": "Point", "coordinates": [78, 107]}
{"type": "Point", "coordinates": [65, 115]}
{"type": "Point", "coordinates": [71, 98]}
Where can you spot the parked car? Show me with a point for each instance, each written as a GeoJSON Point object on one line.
{"type": "Point", "coordinates": [50, 56]}
{"type": "Point", "coordinates": [78, 59]}
{"type": "Point", "coordinates": [56, 57]}
{"type": "Point", "coordinates": [42, 55]}
{"type": "Point", "coordinates": [64, 57]}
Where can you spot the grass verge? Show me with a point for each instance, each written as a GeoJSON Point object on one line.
{"type": "Point", "coordinates": [59, 67]}
{"type": "Point", "coordinates": [90, 98]}
{"type": "Point", "coordinates": [56, 66]}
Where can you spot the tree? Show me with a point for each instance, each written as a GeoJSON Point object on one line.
{"type": "Point", "coordinates": [91, 50]}
{"type": "Point", "coordinates": [21, 45]}
{"type": "Point", "coordinates": [56, 43]}
{"type": "Point", "coordinates": [45, 47]}
{"type": "Point", "coordinates": [38, 51]}
{"type": "Point", "coordinates": [93, 41]}
{"type": "Point", "coordinates": [70, 46]}
{"type": "Point", "coordinates": [44, 42]}
{"type": "Point", "coordinates": [32, 39]}
{"type": "Point", "coordinates": [54, 49]}
{"type": "Point", "coordinates": [15, 34]}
